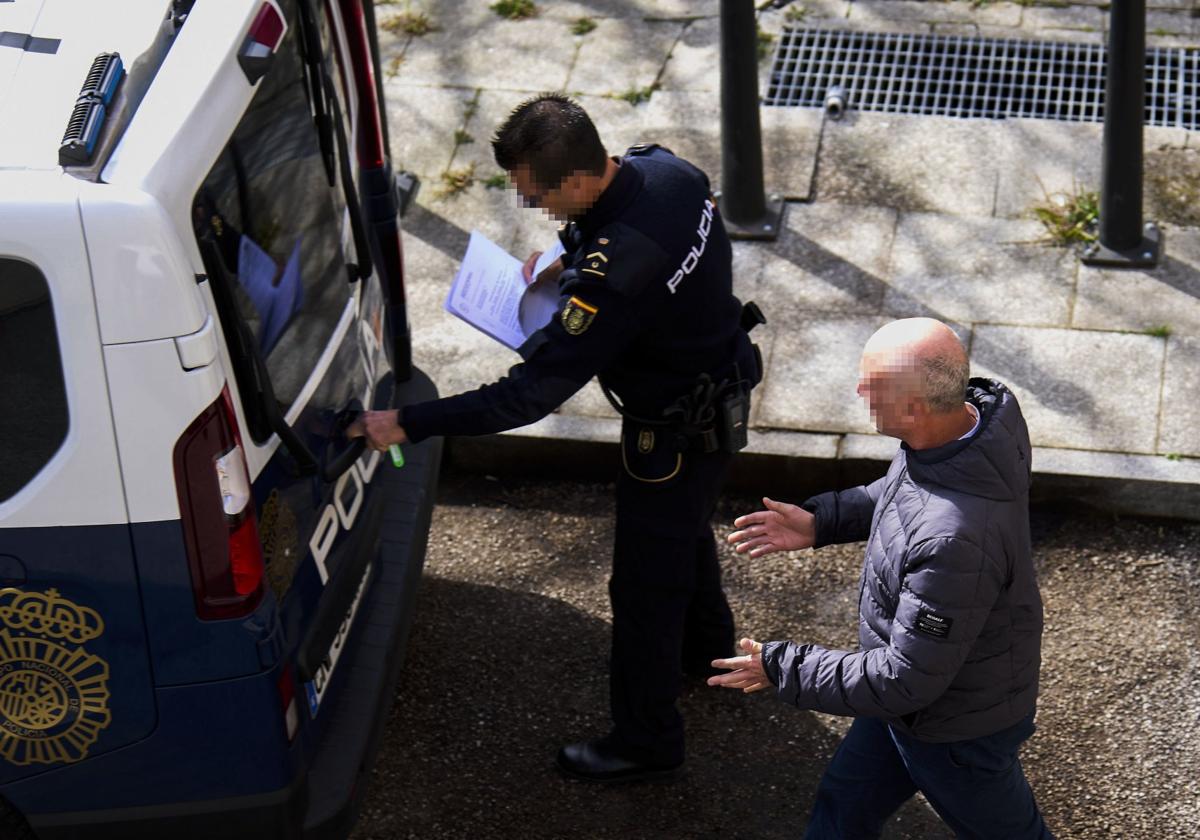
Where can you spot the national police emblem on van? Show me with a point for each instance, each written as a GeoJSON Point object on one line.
{"type": "Point", "coordinates": [53, 693]}
{"type": "Point", "coordinates": [577, 316]}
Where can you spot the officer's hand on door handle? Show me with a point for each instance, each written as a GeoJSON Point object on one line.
{"type": "Point", "coordinates": [380, 428]}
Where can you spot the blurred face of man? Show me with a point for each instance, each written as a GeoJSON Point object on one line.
{"type": "Point", "coordinates": [888, 383]}
{"type": "Point", "coordinates": [562, 201]}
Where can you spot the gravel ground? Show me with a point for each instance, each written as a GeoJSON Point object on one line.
{"type": "Point", "coordinates": [507, 661]}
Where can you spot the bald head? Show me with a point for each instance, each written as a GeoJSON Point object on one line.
{"type": "Point", "coordinates": [914, 372]}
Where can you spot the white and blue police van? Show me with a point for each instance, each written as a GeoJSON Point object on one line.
{"type": "Point", "coordinates": [205, 588]}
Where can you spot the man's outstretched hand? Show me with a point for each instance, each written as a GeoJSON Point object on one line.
{"type": "Point", "coordinates": [746, 671]}
{"type": "Point", "coordinates": [781, 527]}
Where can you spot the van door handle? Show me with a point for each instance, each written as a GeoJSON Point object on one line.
{"type": "Point", "coordinates": [333, 467]}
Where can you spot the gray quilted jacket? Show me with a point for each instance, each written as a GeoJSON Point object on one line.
{"type": "Point", "coordinates": [950, 617]}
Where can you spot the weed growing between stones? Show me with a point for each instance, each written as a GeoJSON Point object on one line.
{"type": "Point", "coordinates": [1070, 218]}
{"type": "Point", "coordinates": [454, 181]}
{"type": "Point", "coordinates": [514, 9]}
{"type": "Point", "coordinates": [583, 26]}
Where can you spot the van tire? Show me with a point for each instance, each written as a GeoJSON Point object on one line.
{"type": "Point", "coordinates": [12, 825]}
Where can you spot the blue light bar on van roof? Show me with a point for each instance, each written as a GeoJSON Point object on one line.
{"type": "Point", "coordinates": [87, 119]}
{"type": "Point", "coordinates": [102, 80]}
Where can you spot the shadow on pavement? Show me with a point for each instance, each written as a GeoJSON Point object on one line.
{"type": "Point", "coordinates": [496, 680]}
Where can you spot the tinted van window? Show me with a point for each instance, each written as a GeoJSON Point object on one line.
{"type": "Point", "coordinates": [33, 422]}
{"type": "Point", "coordinates": [278, 222]}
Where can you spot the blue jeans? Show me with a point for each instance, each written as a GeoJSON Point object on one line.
{"type": "Point", "coordinates": [976, 786]}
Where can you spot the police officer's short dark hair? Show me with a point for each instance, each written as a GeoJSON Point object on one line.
{"type": "Point", "coordinates": [553, 136]}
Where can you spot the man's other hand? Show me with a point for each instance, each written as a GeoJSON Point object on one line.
{"type": "Point", "coordinates": [781, 527]}
{"type": "Point", "coordinates": [380, 428]}
{"type": "Point", "coordinates": [746, 672]}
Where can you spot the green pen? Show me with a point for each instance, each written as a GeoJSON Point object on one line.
{"type": "Point", "coordinates": [397, 455]}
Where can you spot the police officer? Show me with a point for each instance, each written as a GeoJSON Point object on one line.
{"type": "Point", "coordinates": [646, 304]}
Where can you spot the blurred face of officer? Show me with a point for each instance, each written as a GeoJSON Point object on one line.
{"type": "Point", "coordinates": [566, 200]}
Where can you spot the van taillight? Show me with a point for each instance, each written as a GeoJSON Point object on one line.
{"type": "Point", "coordinates": [217, 510]}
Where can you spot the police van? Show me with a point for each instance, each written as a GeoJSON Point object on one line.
{"type": "Point", "coordinates": [204, 586]}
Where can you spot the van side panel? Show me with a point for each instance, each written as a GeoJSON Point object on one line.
{"type": "Point", "coordinates": [81, 484]}
{"type": "Point", "coordinates": [229, 733]}
{"type": "Point", "coordinates": [145, 287]}
{"type": "Point", "coordinates": [73, 665]}
{"type": "Point", "coordinates": [153, 401]}
{"type": "Point", "coordinates": [184, 649]}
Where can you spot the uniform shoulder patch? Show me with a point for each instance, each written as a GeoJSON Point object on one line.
{"type": "Point", "coordinates": [577, 316]}
{"type": "Point", "coordinates": [646, 148]}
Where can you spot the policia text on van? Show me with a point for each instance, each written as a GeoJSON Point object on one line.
{"type": "Point", "coordinates": [204, 590]}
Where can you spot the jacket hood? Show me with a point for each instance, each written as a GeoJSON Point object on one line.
{"type": "Point", "coordinates": [993, 463]}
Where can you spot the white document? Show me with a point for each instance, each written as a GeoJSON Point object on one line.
{"type": "Point", "coordinates": [489, 293]}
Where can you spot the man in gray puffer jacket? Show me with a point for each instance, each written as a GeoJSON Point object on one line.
{"type": "Point", "coordinates": [944, 685]}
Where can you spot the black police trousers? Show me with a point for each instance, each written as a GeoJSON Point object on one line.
{"type": "Point", "coordinates": [669, 611]}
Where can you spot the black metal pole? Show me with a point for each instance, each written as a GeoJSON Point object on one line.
{"type": "Point", "coordinates": [744, 206]}
{"type": "Point", "coordinates": [1124, 110]}
{"type": "Point", "coordinates": [1124, 240]}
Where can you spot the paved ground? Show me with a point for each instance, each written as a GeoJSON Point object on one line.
{"type": "Point", "coordinates": [892, 216]}
{"type": "Point", "coordinates": [507, 661]}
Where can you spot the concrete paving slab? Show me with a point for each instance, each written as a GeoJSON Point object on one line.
{"type": "Point", "coordinates": [1043, 159]}
{"type": "Point", "coordinates": [805, 14]}
{"type": "Point", "coordinates": [873, 447]}
{"type": "Point", "coordinates": [571, 427]}
{"type": "Point", "coordinates": [1078, 389]}
{"type": "Point", "coordinates": [1171, 185]}
{"type": "Point", "coordinates": [421, 123]}
{"type": "Point", "coordinates": [793, 444]}
{"type": "Point", "coordinates": [1044, 22]}
{"type": "Point", "coordinates": [791, 137]}
{"type": "Point", "coordinates": [1166, 22]}
{"type": "Point", "coordinates": [914, 163]}
{"type": "Point", "coordinates": [689, 123]}
{"type": "Point", "coordinates": [829, 258]}
{"type": "Point", "coordinates": [589, 402]}
{"type": "Point", "coordinates": [813, 372]}
{"type": "Point", "coordinates": [1143, 300]}
{"type": "Point", "coordinates": [491, 212]}
{"type": "Point", "coordinates": [1179, 430]}
{"type": "Point", "coordinates": [965, 30]}
{"type": "Point", "coordinates": [572, 10]}
{"type": "Point", "coordinates": [883, 12]}
{"type": "Point", "coordinates": [474, 51]}
{"type": "Point", "coordinates": [1141, 485]}
{"type": "Point", "coordinates": [622, 55]}
{"type": "Point", "coordinates": [974, 269]}
{"type": "Point", "coordinates": [695, 60]}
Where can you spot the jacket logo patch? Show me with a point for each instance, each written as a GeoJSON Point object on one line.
{"type": "Point", "coordinates": [577, 316]}
{"type": "Point", "coordinates": [932, 624]}
{"type": "Point", "coordinates": [645, 441]}
{"type": "Point", "coordinates": [53, 693]}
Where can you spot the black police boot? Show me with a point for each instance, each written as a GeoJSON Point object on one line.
{"type": "Point", "coordinates": [597, 761]}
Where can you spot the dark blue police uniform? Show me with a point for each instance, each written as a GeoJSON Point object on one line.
{"type": "Point", "coordinates": [647, 305]}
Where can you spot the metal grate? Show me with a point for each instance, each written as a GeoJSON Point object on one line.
{"type": "Point", "coordinates": [972, 77]}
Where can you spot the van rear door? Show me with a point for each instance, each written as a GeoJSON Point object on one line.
{"type": "Point", "coordinates": [275, 220]}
